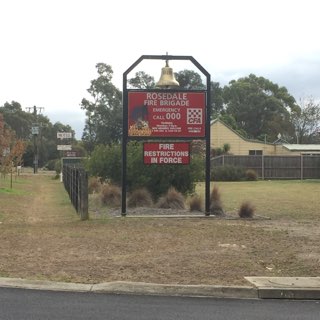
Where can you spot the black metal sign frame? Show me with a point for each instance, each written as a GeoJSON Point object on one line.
{"type": "Point", "coordinates": [126, 137]}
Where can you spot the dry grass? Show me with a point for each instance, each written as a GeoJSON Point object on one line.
{"type": "Point", "coordinates": [140, 198]}
{"type": "Point", "coordinates": [285, 200]}
{"type": "Point", "coordinates": [246, 210]}
{"type": "Point", "coordinates": [42, 237]}
{"type": "Point", "coordinates": [172, 200]}
{"type": "Point", "coordinates": [215, 202]}
{"type": "Point", "coordinates": [196, 203]}
{"type": "Point", "coordinates": [94, 185]}
{"type": "Point", "coordinates": [111, 195]}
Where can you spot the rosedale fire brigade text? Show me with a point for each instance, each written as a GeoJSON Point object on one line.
{"type": "Point", "coordinates": [167, 99]}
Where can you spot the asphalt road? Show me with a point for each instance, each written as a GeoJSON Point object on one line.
{"type": "Point", "coordinates": [35, 304]}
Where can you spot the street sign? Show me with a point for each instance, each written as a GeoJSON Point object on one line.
{"type": "Point", "coordinates": [64, 135]}
{"type": "Point", "coordinates": [166, 114]}
{"type": "Point", "coordinates": [166, 153]}
{"type": "Point", "coordinates": [35, 130]}
{"type": "Point", "coordinates": [63, 147]}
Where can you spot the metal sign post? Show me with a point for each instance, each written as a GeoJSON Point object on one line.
{"type": "Point", "coordinates": [167, 114]}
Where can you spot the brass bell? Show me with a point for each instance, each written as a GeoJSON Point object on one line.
{"type": "Point", "coordinates": [167, 78]}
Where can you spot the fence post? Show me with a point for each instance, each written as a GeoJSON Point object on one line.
{"type": "Point", "coordinates": [84, 212]}
{"type": "Point", "coordinates": [301, 166]}
{"type": "Point", "coordinates": [262, 167]}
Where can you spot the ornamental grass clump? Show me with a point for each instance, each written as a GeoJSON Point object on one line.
{"type": "Point", "coordinates": [215, 203]}
{"type": "Point", "coordinates": [94, 185]}
{"type": "Point", "coordinates": [246, 210]}
{"type": "Point", "coordinates": [195, 203]}
{"type": "Point", "coordinates": [140, 198]}
{"type": "Point", "coordinates": [172, 200]}
{"type": "Point", "coordinates": [111, 195]}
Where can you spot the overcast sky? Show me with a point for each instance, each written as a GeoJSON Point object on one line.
{"type": "Point", "coordinates": [49, 48]}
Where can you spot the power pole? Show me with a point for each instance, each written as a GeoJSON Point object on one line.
{"type": "Point", "coordinates": [35, 132]}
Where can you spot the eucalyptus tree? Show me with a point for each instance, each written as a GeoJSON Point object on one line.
{"type": "Point", "coordinates": [17, 119]}
{"type": "Point", "coordinates": [103, 124]}
{"type": "Point", "coordinates": [307, 121]}
{"type": "Point", "coordinates": [260, 107]}
{"type": "Point", "coordinates": [142, 80]}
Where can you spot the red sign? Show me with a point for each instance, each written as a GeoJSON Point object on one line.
{"type": "Point", "coordinates": [166, 153]}
{"type": "Point", "coordinates": [166, 114]}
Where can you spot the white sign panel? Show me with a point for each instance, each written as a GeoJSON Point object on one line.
{"type": "Point", "coordinates": [35, 130]}
{"type": "Point", "coordinates": [64, 135]}
{"type": "Point", "coordinates": [64, 147]}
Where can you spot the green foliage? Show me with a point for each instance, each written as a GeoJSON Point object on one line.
{"type": "Point", "coordinates": [226, 148]}
{"type": "Point", "coordinates": [228, 173]}
{"type": "Point", "coordinates": [21, 123]}
{"type": "Point", "coordinates": [57, 166]}
{"type": "Point", "coordinates": [51, 164]}
{"type": "Point", "coordinates": [189, 80]}
{"type": "Point", "coordinates": [230, 121]}
{"type": "Point", "coordinates": [220, 151]}
{"type": "Point", "coordinates": [216, 100]}
{"type": "Point", "coordinates": [105, 162]}
{"type": "Point", "coordinates": [142, 81]}
{"type": "Point", "coordinates": [307, 122]}
{"type": "Point", "coordinates": [104, 112]}
{"type": "Point", "coordinates": [216, 152]}
{"type": "Point", "coordinates": [260, 106]}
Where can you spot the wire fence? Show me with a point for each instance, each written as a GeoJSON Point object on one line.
{"type": "Point", "coordinates": [75, 180]}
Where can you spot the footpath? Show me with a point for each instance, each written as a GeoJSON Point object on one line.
{"type": "Point", "coordinates": [305, 288]}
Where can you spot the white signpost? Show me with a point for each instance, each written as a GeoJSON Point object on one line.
{"type": "Point", "coordinates": [64, 147]}
{"type": "Point", "coordinates": [64, 135]}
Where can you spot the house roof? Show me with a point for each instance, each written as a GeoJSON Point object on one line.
{"type": "Point", "coordinates": [238, 134]}
{"type": "Point", "coordinates": [291, 147]}
{"type": "Point", "coordinates": [302, 147]}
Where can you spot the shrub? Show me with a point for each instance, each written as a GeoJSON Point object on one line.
{"type": "Point", "coordinates": [57, 166]}
{"type": "Point", "coordinates": [94, 185]}
{"type": "Point", "coordinates": [226, 148]}
{"type": "Point", "coordinates": [228, 173]}
{"type": "Point", "coordinates": [196, 203]}
{"type": "Point", "coordinates": [215, 202]}
{"type": "Point", "coordinates": [51, 164]}
{"type": "Point", "coordinates": [246, 210]}
{"type": "Point", "coordinates": [105, 162]}
{"type": "Point", "coordinates": [251, 175]}
{"type": "Point", "coordinates": [140, 198]}
{"type": "Point", "coordinates": [111, 195]}
{"type": "Point", "coordinates": [172, 200]}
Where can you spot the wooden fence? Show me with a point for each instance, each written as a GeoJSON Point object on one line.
{"type": "Point", "coordinates": [75, 180]}
{"type": "Point", "coordinates": [275, 167]}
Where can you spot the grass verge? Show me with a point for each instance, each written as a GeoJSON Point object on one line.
{"type": "Point", "coordinates": [42, 237]}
